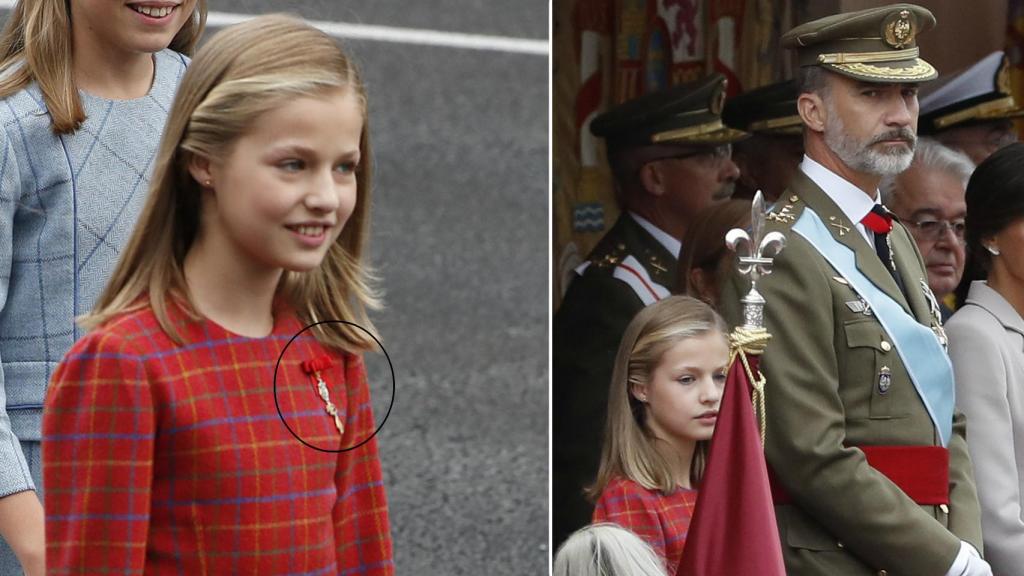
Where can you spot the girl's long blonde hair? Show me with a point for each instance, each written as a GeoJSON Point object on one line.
{"type": "Point", "coordinates": [243, 72]}
{"type": "Point", "coordinates": [629, 445]}
{"type": "Point", "coordinates": [35, 45]}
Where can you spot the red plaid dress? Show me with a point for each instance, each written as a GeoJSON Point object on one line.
{"type": "Point", "coordinates": [167, 459]}
{"type": "Point", "coordinates": [661, 520]}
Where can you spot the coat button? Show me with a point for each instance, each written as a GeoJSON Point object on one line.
{"type": "Point", "coordinates": [886, 346]}
{"type": "Point", "coordinates": [839, 544]}
{"type": "Point", "coordinates": [882, 573]}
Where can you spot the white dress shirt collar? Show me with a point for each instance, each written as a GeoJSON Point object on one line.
{"type": "Point", "coordinates": [852, 201]}
{"type": "Point", "coordinates": [663, 238]}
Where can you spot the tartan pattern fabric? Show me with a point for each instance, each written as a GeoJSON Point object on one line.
{"type": "Point", "coordinates": [67, 205]}
{"type": "Point", "coordinates": [167, 459]}
{"type": "Point", "coordinates": [661, 520]}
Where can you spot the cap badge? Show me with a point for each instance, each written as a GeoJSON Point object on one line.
{"type": "Point", "coordinates": [717, 101]}
{"type": "Point", "coordinates": [900, 31]}
{"type": "Point", "coordinates": [1003, 77]}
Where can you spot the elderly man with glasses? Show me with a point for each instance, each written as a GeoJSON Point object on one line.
{"type": "Point", "coordinates": [928, 198]}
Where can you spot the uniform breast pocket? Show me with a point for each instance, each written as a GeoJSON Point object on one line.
{"type": "Point", "coordinates": [874, 369]}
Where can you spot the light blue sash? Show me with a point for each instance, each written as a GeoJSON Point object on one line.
{"type": "Point", "coordinates": [922, 354]}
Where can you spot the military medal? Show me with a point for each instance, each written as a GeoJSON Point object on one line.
{"type": "Point", "coordinates": [314, 368]}
{"type": "Point", "coordinates": [884, 380]}
{"type": "Point", "coordinates": [933, 304]}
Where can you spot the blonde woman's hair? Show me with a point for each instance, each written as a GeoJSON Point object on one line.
{"type": "Point", "coordinates": [35, 46]}
{"type": "Point", "coordinates": [243, 72]}
{"type": "Point", "coordinates": [629, 445]}
{"type": "Point", "coordinates": [606, 550]}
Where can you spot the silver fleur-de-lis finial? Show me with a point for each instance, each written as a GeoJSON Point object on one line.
{"type": "Point", "coordinates": [755, 259]}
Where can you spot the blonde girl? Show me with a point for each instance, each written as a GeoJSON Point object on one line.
{"type": "Point", "coordinates": [85, 86]}
{"type": "Point", "coordinates": [663, 405]}
{"type": "Point", "coordinates": [199, 428]}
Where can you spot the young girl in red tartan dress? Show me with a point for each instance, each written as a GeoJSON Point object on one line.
{"type": "Point", "coordinates": [172, 430]}
{"type": "Point", "coordinates": [662, 407]}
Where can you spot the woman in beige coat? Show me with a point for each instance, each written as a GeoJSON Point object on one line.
{"type": "Point", "coordinates": [986, 345]}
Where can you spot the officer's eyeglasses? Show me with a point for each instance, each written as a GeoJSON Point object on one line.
{"type": "Point", "coordinates": [715, 154]}
{"type": "Point", "coordinates": [932, 230]}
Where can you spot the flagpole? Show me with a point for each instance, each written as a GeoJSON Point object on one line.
{"type": "Point", "coordinates": [733, 529]}
{"type": "Point", "coordinates": [756, 252]}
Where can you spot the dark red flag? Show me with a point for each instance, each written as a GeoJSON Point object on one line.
{"type": "Point", "coordinates": [733, 530]}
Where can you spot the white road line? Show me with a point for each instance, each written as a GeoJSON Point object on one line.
{"type": "Point", "coordinates": [392, 34]}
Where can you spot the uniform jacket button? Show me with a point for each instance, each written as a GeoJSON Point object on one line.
{"type": "Point", "coordinates": [882, 573]}
{"type": "Point", "coordinates": [839, 544]}
{"type": "Point", "coordinates": [886, 346]}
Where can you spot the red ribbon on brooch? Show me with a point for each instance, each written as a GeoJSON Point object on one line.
{"type": "Point", "coordinates": [313, 368]}
{"type": "Point", "coordinates": [318, 364]}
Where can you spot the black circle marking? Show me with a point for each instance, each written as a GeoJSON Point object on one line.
{"type": "Point", "coordinates": [391, 366]}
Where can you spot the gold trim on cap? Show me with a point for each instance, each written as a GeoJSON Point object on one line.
{"type": "Point", "coordinates": [989, 109]}
{"type": "Point", "coordinates": [697, 130]}
{"type": "Point", "coordinates": [775, 123]}
{"type": "Point", "coordinates": [853, 57]}
{"type": "Point", "coordinates": [920, 70]}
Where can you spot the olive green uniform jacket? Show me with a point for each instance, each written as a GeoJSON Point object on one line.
{"type": "Point", "coordinates": [587, 329]}
{"type": "Point", "coordinates": [823, 399]}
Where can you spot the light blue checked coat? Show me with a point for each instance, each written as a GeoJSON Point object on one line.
{"type": "Point", "coordinates": [67, 206]}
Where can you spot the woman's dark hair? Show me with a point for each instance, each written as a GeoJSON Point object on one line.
{"type": "Point", "coordinates": [995, 199]}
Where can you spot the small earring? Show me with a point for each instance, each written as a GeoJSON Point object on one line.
{"type": "Point", "coordinates": [992, 249]}
{"type": "Point", "coordinates": [207, 183]}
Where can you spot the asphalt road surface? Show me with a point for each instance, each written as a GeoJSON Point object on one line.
{"type": "Point", "coordinates": [460, 241]}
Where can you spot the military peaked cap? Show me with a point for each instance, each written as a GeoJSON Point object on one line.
{"type": "Point", "coordinates": [873, 45]}
{"type": "Point", "coordinates": [980, 93]}
{"type": "Point", "coordinates": [684, 114]}
{"type": "Point", "coordinates": [770, 109]}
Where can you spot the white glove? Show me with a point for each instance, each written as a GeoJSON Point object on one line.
{"type": "Point", "coordinates": [969, 563]}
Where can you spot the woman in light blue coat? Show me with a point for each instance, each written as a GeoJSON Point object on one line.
{"type": "Point", "coordinates": [80, 118]}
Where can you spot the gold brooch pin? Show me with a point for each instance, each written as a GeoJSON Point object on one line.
{"type": "Point", "coordinates": [314, 368]}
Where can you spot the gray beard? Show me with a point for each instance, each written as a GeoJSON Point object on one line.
{"type": "Point", "coordinates": [860, 156]}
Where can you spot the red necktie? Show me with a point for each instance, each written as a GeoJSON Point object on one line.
{"type": "Point", "coordinates": [879, 221]}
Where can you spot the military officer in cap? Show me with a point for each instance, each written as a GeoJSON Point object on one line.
{"type": "Point", "coordinates": [669, 153]}
{"type": "Point", "coordinates": [870, 471]}
{"type": "Point", "coordinates": [972, 111]}
{"type": "Point", "coordinates": [769, 158]}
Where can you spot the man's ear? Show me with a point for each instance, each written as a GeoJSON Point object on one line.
{"type": "Point", "coordinates": [201, 170]}
{"type": "Point", "coordinates": [652, 179]}
{"type": "Point", "coordinates": [812, 111]}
